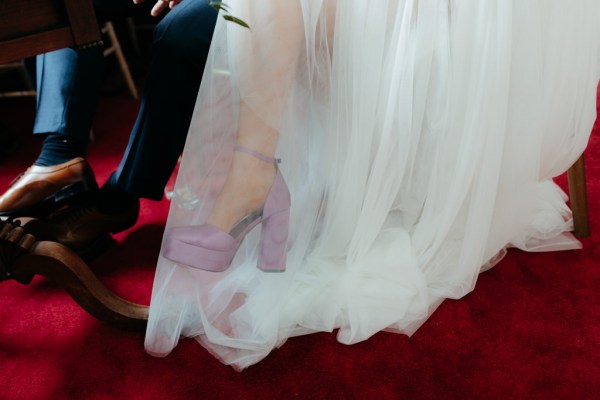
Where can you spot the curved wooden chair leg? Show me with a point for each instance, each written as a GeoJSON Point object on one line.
{"type": "Point", "coordinates": [578, 198]}
{"type": "Point", "coordinates": [22, 257]}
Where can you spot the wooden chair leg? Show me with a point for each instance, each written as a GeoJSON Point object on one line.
{"type": "Point", "coordinates": [578, 196]}
{"type": "Point", "coordinates": [116, 48]}
{"type": "Point", "coordinates": [22, 257]}
{"type": "Point", "coordinates": [29, 87]}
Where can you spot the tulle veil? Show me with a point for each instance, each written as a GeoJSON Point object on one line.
{"type": "Point", "coordinates": [418, 139]}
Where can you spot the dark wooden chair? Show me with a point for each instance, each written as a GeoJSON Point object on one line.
{"type": "Point", "coordinates": [578, 195]}
{"type": "Point", "coordinates": [29, 27]}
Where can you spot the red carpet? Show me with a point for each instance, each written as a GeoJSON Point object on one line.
{"type": "Point", "coordinates": [530, 330]}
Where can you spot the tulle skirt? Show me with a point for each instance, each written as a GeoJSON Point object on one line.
{"type": "Point", "coordinates": [418, 138]}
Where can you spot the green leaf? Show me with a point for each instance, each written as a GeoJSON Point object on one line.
{"type": "Point", "coordinates": [236, 20]}
{"type": "Point", "coordinates": [219, 5]}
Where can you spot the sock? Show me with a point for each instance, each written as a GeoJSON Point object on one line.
{"type": "Point", "coordinates": [58, 149]}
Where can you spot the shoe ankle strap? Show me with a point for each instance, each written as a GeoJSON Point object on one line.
{"type": "Point", "coordinates": [258, 155]}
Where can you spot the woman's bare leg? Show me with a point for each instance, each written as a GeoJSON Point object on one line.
{"type": "Point", "coordinates": [264, 82]}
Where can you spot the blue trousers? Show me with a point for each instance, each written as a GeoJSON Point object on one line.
{"type": "Point", "coordinates": [68, 83]}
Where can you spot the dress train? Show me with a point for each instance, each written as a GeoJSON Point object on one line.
{"type": "Point", "coordinates": [418, 139]}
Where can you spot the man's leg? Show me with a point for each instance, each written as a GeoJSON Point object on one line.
{"type": "Point", "coordinates": [67, 89]}
{"type": "Point", "coordinates": [181, 45]}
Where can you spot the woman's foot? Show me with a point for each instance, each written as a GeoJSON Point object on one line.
{"type": "Point", "coordinates": [244, 191]}
{"type": "Point", "coordinates": [254, 193]}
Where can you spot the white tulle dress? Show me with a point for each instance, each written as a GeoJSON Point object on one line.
{"type": "Point", "coordinates": [418, 139]}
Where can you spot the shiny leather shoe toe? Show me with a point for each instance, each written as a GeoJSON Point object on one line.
{"type": "Point", "coordinates": [41, 190]}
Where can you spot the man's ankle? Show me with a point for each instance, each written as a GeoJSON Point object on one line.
{"type": "Point", "coordinates": [58, 149]}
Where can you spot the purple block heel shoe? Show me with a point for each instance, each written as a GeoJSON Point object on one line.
{"type": "Point", "coordinates": [208, 248]}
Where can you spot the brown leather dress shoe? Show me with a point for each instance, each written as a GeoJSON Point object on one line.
{"type": "Point", "coordinates": [41, 190]}
{"type": "Point", "coordinates": [85, 229]}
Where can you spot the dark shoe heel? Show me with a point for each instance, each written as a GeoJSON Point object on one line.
{"type": "Point", "coordinates": [97, 247]}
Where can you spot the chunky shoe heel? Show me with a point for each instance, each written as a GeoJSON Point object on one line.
{"type": "Point", "coordinates": [272, 249]}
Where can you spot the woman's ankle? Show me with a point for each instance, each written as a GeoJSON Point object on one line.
{"type": "Point", "coordinates": [245, 191]}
